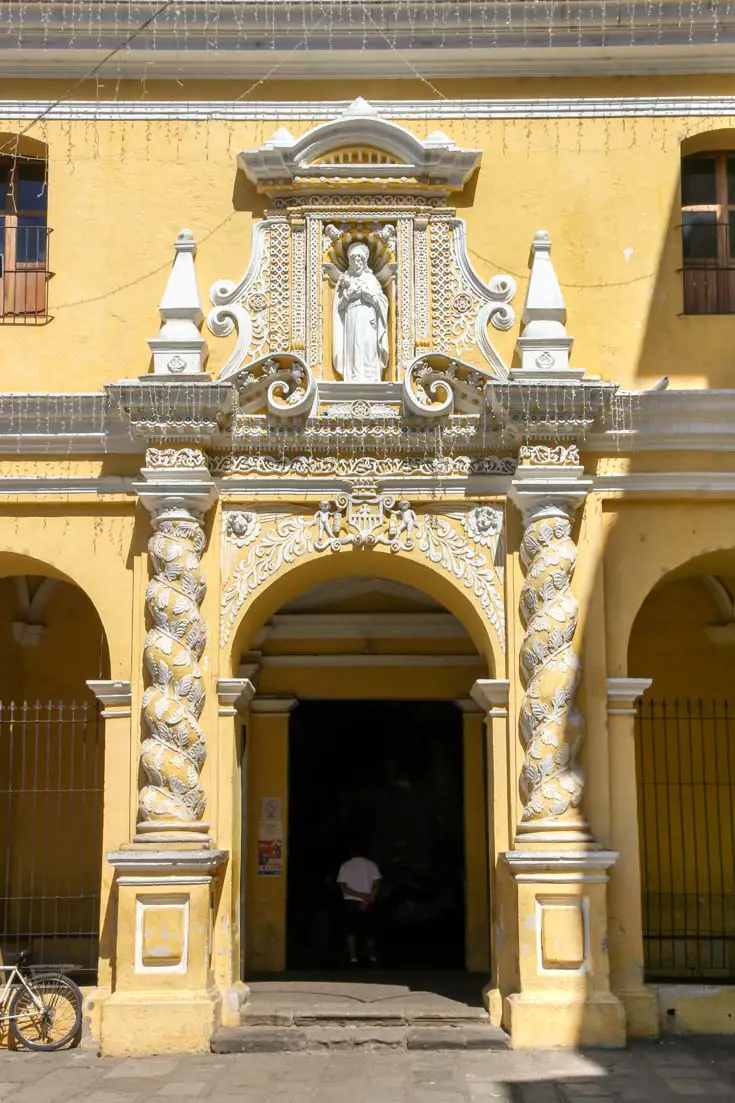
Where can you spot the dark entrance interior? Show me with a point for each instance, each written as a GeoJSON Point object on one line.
{"type": "Point", "coordinates": [383, 778]}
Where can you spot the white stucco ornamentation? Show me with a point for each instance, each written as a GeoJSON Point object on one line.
{"type": "Point", "coordinates": [173, 754]}
{"type": "Point", "coordinates": [179, 351]}
{"type": "Point", "coordinates": [175, 457]}
{"type": "Point", "coordinates": [368, 520]}
{"type": "Point", "coordinates": [436, 385]}
{"type": "Point", "coordinates": [462, 304]}
{"type": "Point", "coordinates": [282, 385]}
{"type": "Point", "coordinates": [548, 455]}
{"type": "Point", "coordinates": [551, 725]}
{"type": "Point", "coordinates": [362, 466]}
{"type": "Point", "coordinates": [243, 306]}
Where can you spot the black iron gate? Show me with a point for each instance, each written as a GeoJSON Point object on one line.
{"type": "Point", "coordinates": [51, 774]}
{"type": "Point", "coordinates": [686, 806]}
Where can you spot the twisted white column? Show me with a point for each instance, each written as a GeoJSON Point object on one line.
{"type": "Point", "coordinates": [551, 725]}
{"type": "Point", "coordinates": [171, 804]}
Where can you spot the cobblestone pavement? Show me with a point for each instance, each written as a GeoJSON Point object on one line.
{"type": "Point", "coordinates": [671, 1070]}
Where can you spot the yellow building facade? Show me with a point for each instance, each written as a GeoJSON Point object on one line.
{"type": "Point", "coordinates": [408, 515]}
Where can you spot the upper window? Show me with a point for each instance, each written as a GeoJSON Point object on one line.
{"type": "Point", "coordinates": [23, 239]}
{"type": "Point", "coordinates": [708, 232]}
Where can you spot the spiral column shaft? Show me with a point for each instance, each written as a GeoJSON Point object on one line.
{"type": "Point", "coordinates": [172, 802]}
{"type": "Point", "coordinates": [551, 725]}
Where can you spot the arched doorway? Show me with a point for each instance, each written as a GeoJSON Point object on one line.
{"type": "Point", "coordinates": [683, 639]}
{"type": "Point", "coordinates": [363, 737]}
{"type": "Point", "coordinates": [51, 771]}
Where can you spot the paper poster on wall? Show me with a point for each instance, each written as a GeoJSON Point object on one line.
{"type": "Point", "coordinates": [270, 857]}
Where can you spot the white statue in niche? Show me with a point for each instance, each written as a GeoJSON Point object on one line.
{"type": "Point", "coordinates": [360, 320]}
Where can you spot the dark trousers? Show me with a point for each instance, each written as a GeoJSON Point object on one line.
{"type": "Point", "coordinates": [358, 921]}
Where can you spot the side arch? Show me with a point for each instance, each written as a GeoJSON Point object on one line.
{"type": "Point", "coordinates": [82, 551]}
{"type": "Point", "coordinates": [670, 536]}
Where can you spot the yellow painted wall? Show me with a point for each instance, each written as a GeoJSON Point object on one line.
{"type": "Point", "coordinates": [119, 193]}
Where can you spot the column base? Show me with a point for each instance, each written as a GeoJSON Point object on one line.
{"type": "Point", "coordinates": [233, 1001]}
{"type": "Point", "coordinates": [641, 1012]}
{"type": "Point", "coordinates": [535, 1020]}
{"type": "Point", "coordinates": [143, 1024]}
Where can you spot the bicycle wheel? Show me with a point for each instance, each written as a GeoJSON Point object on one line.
{"type": "Point", "coordinates": [53, 1024]}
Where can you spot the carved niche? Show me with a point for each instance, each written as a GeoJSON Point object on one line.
{"type": "Point", "coordinates": [359, 178]}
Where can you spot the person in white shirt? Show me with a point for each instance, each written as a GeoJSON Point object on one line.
{"type": "Point", "coordinates": [359, 881]}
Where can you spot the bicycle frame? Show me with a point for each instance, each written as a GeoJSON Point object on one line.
{"type": "Point", "coordinates": [10, 984]}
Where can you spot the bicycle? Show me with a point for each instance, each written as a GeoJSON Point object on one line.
{"type": "Point", "coordinates": [44, 1010]}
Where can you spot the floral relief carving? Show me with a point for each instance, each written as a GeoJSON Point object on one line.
{"type": "Point", "coordinates": [551, 725]}
{"type": "Point", "coordinates": [361, 466]}
{"type": "Point", "coordinates": [173, 753]}
{"type": "Point", "coordinates": [362, 520]}
{"type": "Point", "coordinates": [176, 457]}
{"type": "Point", "coordinates": [549, 455]}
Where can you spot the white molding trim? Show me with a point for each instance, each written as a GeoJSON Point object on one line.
{"type": "Point", "coordinates": [61, 485]}
{"type": "Point", "coordinates": [234, 696]}
{"type": "Point", "coordinates": [365, 626]}
{"type": "Point", "coordinates": [573, 107]}
{"type": "Point", "coordinates": [112, 695]}
{"type": "Point", "coordinates": [149, 865]}
{"type": "Point", "coordinates": [622, 694]}
{"type": "Point", "coordinates": [667, 484]}
{"type": "Point", "coordinates": [560, 866]}
{"type": "Point", "coordinates": [342, 660]}
{"type": "Point", "coordinates": [491, 694]}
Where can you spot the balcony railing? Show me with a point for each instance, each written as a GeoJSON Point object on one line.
{"type": "Point", "coordinates": [24, 274]}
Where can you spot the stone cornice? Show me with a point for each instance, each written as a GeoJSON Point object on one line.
{"type": "Point", "coordinates": [193, 110]}
{"type": "Point", "coordinates": [132, 413]}
{"type": "Point", "coordinates": [247, 38]}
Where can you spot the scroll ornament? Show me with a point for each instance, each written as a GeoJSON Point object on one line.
{"type": "Point", "coordinates": [551, 725]}
{"type": "Point", "coordinates": [360, 521]}
{"type": "Point", "coordinates": [173, 753]}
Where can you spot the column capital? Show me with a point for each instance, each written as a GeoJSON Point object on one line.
{"type": "Point", "coordinates": [491, 694]}
{"type": "Point", "coordinates": [273, 706]}
{"type": "Point", "coordinates": [622, 694]}
{"type": "Point", "coordinates": [115, 697]}
{"type": "Point", "coordinates": [547, 489]}
{"type": "Point", "coordinates": [176, 493]}
{"type": "Point", "coordinates": [234, 695]}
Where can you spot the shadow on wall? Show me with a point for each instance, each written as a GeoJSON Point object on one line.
{"type": "Point", "coordinates": [692, 349]}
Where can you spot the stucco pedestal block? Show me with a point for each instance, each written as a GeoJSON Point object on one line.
{"type": "Point", "coordinates": [140, 1025]}
{"type": "Point", "coordinates": [563, 969]}
{"type": "Point", "coordinates": [164, 998]}
{"type": "Point", "coordinates": [535, 1020]}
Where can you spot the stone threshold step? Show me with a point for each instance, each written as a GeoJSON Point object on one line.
{"type": "Point", "coordinates": [358, 1016]}
{"type": "Point", "coordinates": [283, 1039]}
